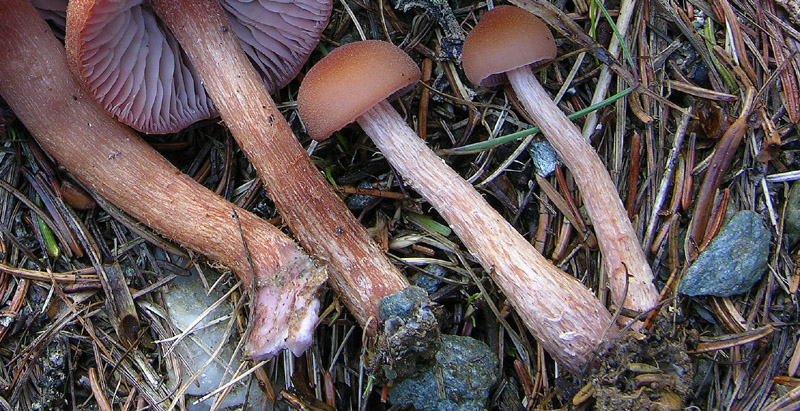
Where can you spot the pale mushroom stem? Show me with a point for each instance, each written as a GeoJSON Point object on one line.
{"type": "Point", "coordinates": [564, 316]}
{"type": "Point", "coordinates": [625, 262]}
{"type": "Point", "coordinates": [360, 272]}
{"type": "Point", "coordinates": [119, 166]}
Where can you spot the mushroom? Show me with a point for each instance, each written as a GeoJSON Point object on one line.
{"type": "Point", "coordinates": [567, 319]}
{"type": "Point", "coordinates": [133, 66]}
{"type": "Point", "coordinates": [358, 269]}
{"type": "Point", "coordinates": [118, 165]}
{"type": "Point", "coordinates": [504, 46]}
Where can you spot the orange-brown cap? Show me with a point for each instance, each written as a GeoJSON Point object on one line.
{"type": "Point", "coordinates": [349, 81]}
{"type": "Point", "coordinates": [506, 38]}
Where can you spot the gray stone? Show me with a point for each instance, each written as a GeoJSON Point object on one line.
{"type": "Point", "coordinates": [429, 283]}
{"type": "Point", "coordinates": [465, 371]}
{"type": "Point", "coordinates": [733, 262]}
{"type": "Point", "coordinates": [185, 301]}
{"type": "Point", "coordinates": [791, 221]}
{"type": "Point", "coordinates": [358, 202]}
{"type": "Point", "coordinates": [404, 303]}
{"type": "Point", "coordinates": [544, 156]}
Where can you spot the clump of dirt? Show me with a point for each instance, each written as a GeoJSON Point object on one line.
{"type": "Point", "coordinates": [410, 338]}
{"type": "Point", "coordinates": [645, 371]}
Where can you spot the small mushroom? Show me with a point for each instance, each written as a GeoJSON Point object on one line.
{"type": "Point", "coordinates": [562, 314]}
{"type": "Point", "coordinates": [506, 45]}
{"type": "Point", "coordinates": [118, 165]}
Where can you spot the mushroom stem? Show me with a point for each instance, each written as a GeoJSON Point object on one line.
{"type": "Point", "coordinates": [113, 161]}
{"type": "Point", "coordinates": [360, 272]}
{"type": "Point", "coordinates": [625, 262]}
{"type": "Point", "coordinates": [564, 316]}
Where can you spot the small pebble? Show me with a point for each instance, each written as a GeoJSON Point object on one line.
{"type": "Point", "coordinates": [733, 262]}
{"type": "Point", "coordinates": [427, 282]}
{"type": "Point", "coordinates": [410, 337]}
{"type": "Point", "coordinates": [187, 299]}
{"type": "Point", "coordinates": [465, 371]}
{"type": "Point", "coordinates": [358, 202]}
{"type": "Point", "coordinates": [544, 157]}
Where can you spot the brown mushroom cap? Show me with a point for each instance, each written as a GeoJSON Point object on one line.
{"type": "Point", "coordinates": [349, 81]}
{"type": "Point", "coordinates": [506, 38]}
{"type": "Point", "coordinates": [131, 64]}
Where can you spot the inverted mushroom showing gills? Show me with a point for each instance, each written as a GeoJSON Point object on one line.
{"type": "Point", "coordinates": [278, 35]}
{"type": "Point", "coordinates": [134, 67]}
{"type": "Point", "coordinates": [504, 46]}
{"type": "Point", "coordinates": [562, 314]}
{"type": "Point", "coordinates": [129, 63]}
{"type": "Point", "coordinates": [119, 166]}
